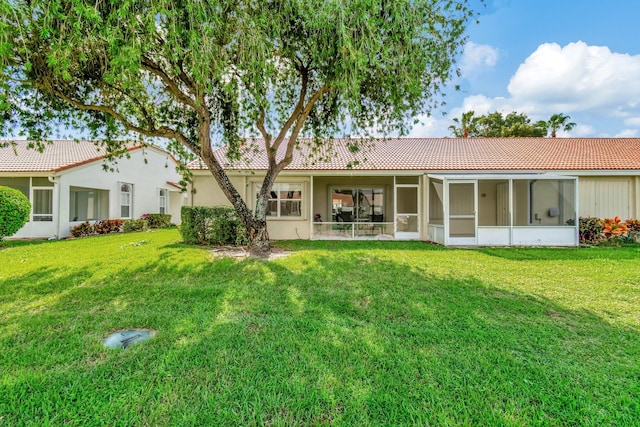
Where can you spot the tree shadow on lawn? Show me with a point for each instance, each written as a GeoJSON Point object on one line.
{"type": "Point", "coordinates": [345, 340]}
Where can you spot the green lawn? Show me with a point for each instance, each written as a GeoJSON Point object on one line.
{"type": "Point", "coordinates": [338, 333]}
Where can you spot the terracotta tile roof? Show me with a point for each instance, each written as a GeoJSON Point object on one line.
{"type": "Point", "coordinates": [57, 156]}
{"type": "Point", "coordinates": [518, 154]}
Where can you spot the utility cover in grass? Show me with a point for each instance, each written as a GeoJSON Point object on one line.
{"type": "Point", "coordinates": [123, 339]}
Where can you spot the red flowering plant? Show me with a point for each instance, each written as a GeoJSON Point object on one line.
{"type": "Point", "coordinates": [614, 227]}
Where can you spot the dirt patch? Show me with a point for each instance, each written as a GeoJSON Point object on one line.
{"type": "Point", "coordinates": [242, 252]}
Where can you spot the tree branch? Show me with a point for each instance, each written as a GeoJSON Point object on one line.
{"type": "Point", "coordinates": [136, 101]}
{"type": "Point", "coordinates": [263, 130]}
{"type": "Point", "coordinates": [184, 77]}
{"type": "Point", "coordinates": [304, 75]}
{"type": "Point", "coordinates": [288, 157]}
{"type": "Point", "coordinates": [171, 85]}
{"type": "Point", "coordinates": [162, 131]}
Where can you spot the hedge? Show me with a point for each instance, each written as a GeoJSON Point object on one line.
{"type": "Point", "coordinates": [14, 211]}
{"type": "Point", "coordinates": [218, 225]}
{"type": "Point", "coordinates": [157, 220]}
{"type": "Point", "coordinates": [134, 225]}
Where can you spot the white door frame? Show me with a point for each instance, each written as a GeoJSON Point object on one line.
{"type": "Point", "coordinates": [406, 235]}
{"type": "Point", "coordinates": [462, 241]}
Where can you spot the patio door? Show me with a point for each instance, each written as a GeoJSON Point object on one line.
{"type": "Point", "coordinates": [407, 212]}
{"type": "Point", "coordinates": [462, 218]}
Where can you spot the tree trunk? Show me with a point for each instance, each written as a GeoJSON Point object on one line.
{"type": "Point", "coordinates": [259, 245]}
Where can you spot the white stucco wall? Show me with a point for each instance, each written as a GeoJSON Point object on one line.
{"type": "Point", "coordinates": [146, 177]}
{"type": "Point", "coordinates": [146, 170]}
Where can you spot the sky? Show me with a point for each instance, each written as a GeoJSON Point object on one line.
{"type": "Point", "coordinates": [541, 57]}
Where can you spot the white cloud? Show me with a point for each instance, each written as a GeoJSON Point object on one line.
{"type": "Point", "coordinates": [581, 130]}
{"type": "Point", "coordinates": [576, 80]}
{"type": "Point", "coordinates": [477, 57]}
{"type": "Point", "coordinates": [431, 127]}
{"type": "Point", "coordinates": [578, 77]}
{"type": "Point", "coordinates": [632, 121]}
{"type": "Point", "coordinates": [627, 133]}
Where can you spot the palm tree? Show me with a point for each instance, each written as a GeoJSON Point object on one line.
{"type": "Point", "coordinates": [467, 125]}
{"type": "Point", "coordinates": [559, 121]}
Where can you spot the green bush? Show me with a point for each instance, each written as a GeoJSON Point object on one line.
{"type": "Point", "coordinates": [217, 225]}
{"type": "Point", "coordinates": [14, 211]}
{"type": "Point", "coordinates": [157, 220]}
{"type": "Point", "coordinates": [134, 225]}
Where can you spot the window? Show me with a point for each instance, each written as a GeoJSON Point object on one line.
{"type": "Point", "coordinates": [42, 204]}
{"type": "Point", "coordinates": [357, 205]}
{"type": "Point", "coordinates": [162, 200]}
{"type": "Point", "coordinates": [88, 204]}
{"type": "Point", "coordinates": [285, 200]}
{"type": "Point", "coordinates": [125, 200]}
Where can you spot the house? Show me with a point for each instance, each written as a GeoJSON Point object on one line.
{"type": "Point", "coordinates": [67, 184]}
{"type": "Point", "coordinates": [498, 191]}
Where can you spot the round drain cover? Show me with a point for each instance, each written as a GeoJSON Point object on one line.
{"type": "Point", "coordinates": [124, 338]}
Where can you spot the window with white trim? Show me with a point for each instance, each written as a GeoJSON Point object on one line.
{"type": "Point", "coordinates": [43, 204]}
{"type": "Point", "coordinates": [285, 200]}
{"type": "Point", "coordinates": [126, 192]}
{"type": "Point", "coordinates": [163, 197]}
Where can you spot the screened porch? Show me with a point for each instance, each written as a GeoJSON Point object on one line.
{"type": "Point", "coordinates": [366, 207]}
{"type": "Point", "coordinates": [503, 210]}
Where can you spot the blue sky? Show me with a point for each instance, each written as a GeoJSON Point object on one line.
{"type": "Point", "coordinates": [540, 57]}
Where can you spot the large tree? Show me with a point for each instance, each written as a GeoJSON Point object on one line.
{"type": "Point", "coordinates": [559, 122]}
{"type": "Point", "coordinates": [496, 125]}
{"type": "Point", "coordinates": [204, 73]}
{"type": "Point", "coordinates": [465, 126]}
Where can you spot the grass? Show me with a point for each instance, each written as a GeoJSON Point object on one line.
{"type": "Point", "coordinates": [338, 333]}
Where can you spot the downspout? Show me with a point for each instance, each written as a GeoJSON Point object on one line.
{"type": "Point", "coordinates": [56, 195]}
{"type": "Point", "coordinates": [637, 197]}
{"type": "Point", "coordinates": [312, 214]}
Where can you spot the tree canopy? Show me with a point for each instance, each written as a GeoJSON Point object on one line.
{"type": "Point", "coordinates": [514, 124]}
{"type": "Point", "coordinates": [559, 122]}
{"type": "Point", "coordinates": [205, 73]}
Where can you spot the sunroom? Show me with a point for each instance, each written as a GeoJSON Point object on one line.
{"type": "Point", "coordinates": [380, 207]}
{"type": "Point", "coordinates": [503, 210]}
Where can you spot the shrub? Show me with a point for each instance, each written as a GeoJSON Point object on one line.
{"type": "Point", "coordinates": [217, 225]}
{"type": "Point", "coordinates": [134, 225]}
{"type": "Point", "coordinates": [104, 226]}
{"type": "Point", "coordinates": [108, 226]}
{"type": "Point", "coordinates": [14, 211]}
{"type": "Point", "coordinates": [609, 230]}
{"type": "Point", "coordinates": [590, 230]}
{"type": "Point", "coordinates": [157, 220]}
{"type": "Point", "coordinates": [84, 229]}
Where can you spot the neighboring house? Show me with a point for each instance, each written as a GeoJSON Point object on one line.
{"type": "Point", "coordinates": [503, 191]}
{"type": "Point", "coordinates": [67, 185]}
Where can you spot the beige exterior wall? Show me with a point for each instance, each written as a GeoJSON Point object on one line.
{"type": "Point", "coordinates": [322, 192]}
{"type": "Point", "coordinates": [599, 196]}
{"type": "Point", "coordinates": [606, 197]}
{"type": "Point", "coordinates": [208, 193]}
{"type": "Point", "coordinates": [491, 213]}
{"type": "Point", "coordinates": [520, 202]}
{"type": "Point", "coordinates": [205, 191]}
